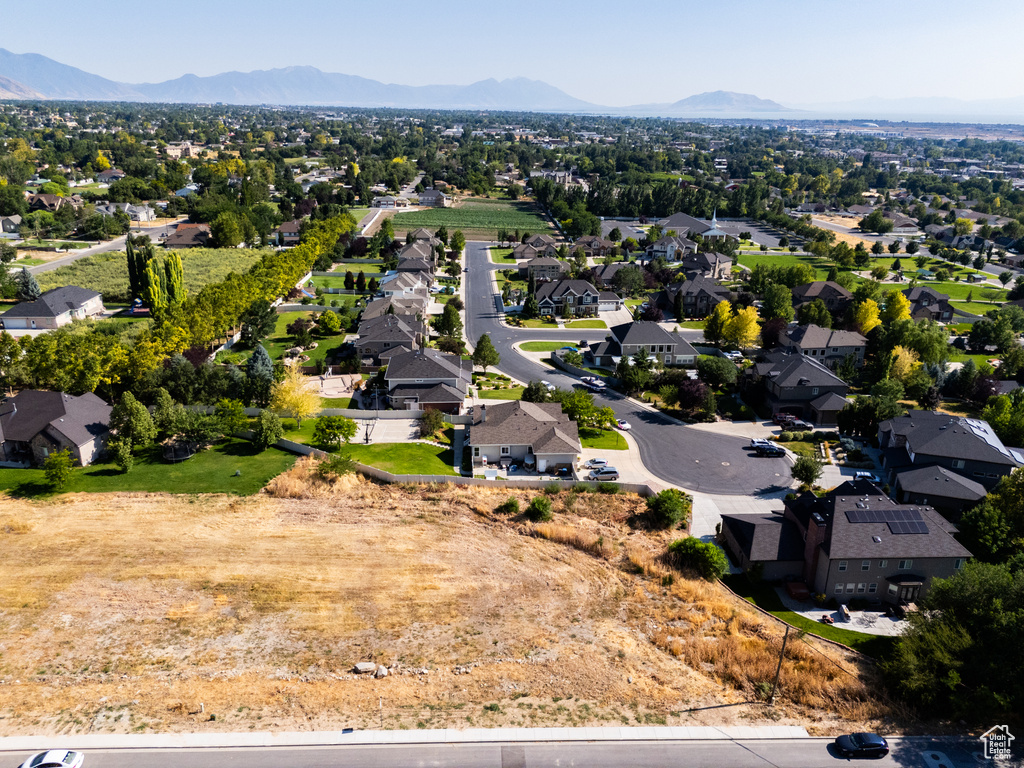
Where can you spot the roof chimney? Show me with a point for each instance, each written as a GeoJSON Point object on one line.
{"type": "Point", "coordinates": [483, 413]}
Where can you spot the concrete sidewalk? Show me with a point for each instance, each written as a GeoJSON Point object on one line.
{"type": "Point", "coordinates": [441, 736]}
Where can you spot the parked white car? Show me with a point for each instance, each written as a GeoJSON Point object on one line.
{"type": "Point", "coordinates": [55, 758]}
{"type": "Point", "coordinates": [595, 463]}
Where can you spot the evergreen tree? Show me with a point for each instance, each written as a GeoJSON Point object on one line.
{"type": "Point", "coordinates": [350, 280]}
{"type": "Point", "coordinates": [260, 374]}
{"type": "Point", "coordinates": [28, 286]}
{"type": "Point", "coordinates": [174, 280]}
{"type": "Point", "coordinates": [361, 282]}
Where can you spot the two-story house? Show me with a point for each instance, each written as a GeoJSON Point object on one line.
{"type": "Point", "coordinates": [795, 384]}
{"type": "Point", "coordinates": [855, 541]}
{"type": "Point", "coordinates": [928, 304]}
{"type": "Point", "coordinates": [434, 198]}
{"type": "Point", "coordinates": [716, 266]}
{"type": "Point", "coordinates": [671, 248]}
{"type": "Point", "coordinates": [539, 241]}
{"type": "Point", "coordinates": [288, 233]}
{"type": "Point", "coordinates": [53, 309]}
{"type": "Point", "coordinates": [427, 378]}
{"type": "Point", "coordinates": [535, 435]}
{"type": "Point", "coordinates": [593, 246]}
{"type": "Point", "coordinates": [824, 344]}
{"type": "Point", "coordinates": [628, 339]}
{"type": "Point", "coordinates": [966, 446]}
{"type": "Point", "coordinates": [388, 333]}
{"type": "Point", "coordinates": [836, 298]}
{"type": "Point", "coordinates": [568, 297]}
{"type": "Point", "coordinates": [543, 268]}
{"type": "Point", "coordinates": [695, 296]}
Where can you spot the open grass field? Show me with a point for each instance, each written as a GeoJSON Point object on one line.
{"type": "Point", "coordinates": [212, 471]}
{"type": "Point", "coordinates": [122, 612]}
{"type": "Point", "coordinates": [108, 272]}
{"type": "Point", "coordinates": [478, 218]}
{"type": "Point", "coordinates": [753, 258]}
{"type": "Point", "coordinates": [960, 291]}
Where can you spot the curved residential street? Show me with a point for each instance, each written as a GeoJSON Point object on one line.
{"type": "Point", "coordinates": [694, 459]}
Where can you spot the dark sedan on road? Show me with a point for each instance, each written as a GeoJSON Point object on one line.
{"type": "Point", "coordinates": [869, 745]}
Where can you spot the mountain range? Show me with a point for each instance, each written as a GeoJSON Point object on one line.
{"type": "Point", "coordinates": [33, 76]}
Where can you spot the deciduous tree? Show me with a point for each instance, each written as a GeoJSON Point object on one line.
{"type": "Point", "coordinates": [294, 396]}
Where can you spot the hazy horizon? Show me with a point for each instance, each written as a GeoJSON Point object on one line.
{"type": "Point", "coordinates": [787, 52]}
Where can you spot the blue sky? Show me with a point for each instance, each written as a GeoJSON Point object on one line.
{"type": "Point", "coordinates": [612, 53]}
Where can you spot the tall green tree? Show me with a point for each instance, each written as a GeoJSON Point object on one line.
{"type": "Point", "coordinates": [484, 354]}
{"type": "Point", "coordinates": [777, 302]}
{"type": "Point", "coordinates": [174, 280]}
{"type": "Point", "coordinates": [28, 286]}
{"type": "Point", "coordinates": [259, 371]}
{"type": "Point", "coordinates": [130, 422]}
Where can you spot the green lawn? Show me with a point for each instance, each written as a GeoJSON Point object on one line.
{"type": "Point", "coordinates": [978, 359]}
{"type": "Point", "coordinates": [405, 458]}
{"type": "Point", "coordinates": [212, 471]}
{"type": "Point", "coordinates": [544, 346]}
{"type": "Point", "coordinates": [974, 307]}
{"type": "Point", "coordinates": [539, 323]}
{"type": "Point", "coordinates": [338, 281]}
{"type": "Point", "coordinates": [280, 341]}
{"type": "Point", "coordinates": [587, 324]}
{"type": "Point", "coordinates": [502, 256]}
{"type": "Point", "coordinates": [512, 393]}
{"type": "Point", "coordinates": [959, 291]}
{"type": "Point", "coordinates": [765, 597]}
{"type": "Point", "coordinates": [29, 262]}
{"type": "Point", "coordinates": [697, 325]}
{"type": "Point", "coordinates": [603, 439]}
{"type": "Point", "coordinates": [371, 270]}
{"type": "Point", "coordinates": [336, 402]}
{"type": "Point", "coordinates": [477, 218]}
{"type": "Point", "coordinates": [801, 448]}
{"type": "Point", "coordinates": [752, 259]}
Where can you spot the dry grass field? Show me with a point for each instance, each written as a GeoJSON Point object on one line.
{"type": "Point", "coordinates": [126, 612]}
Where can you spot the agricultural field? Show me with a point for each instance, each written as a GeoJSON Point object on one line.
{"type": "Point", "coordinates": [108, 272]}
{"type": "Point", "coordinates": [478, 218]}
{"type": "Point", "coordinates": [575, 622]}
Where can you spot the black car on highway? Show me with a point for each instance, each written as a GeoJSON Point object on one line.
{"type": "Point", "coordinates": [869, 745]}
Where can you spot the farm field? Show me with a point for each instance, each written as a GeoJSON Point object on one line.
{"type": "Point", "coordinates": [478, 218]}
{"type": "Point", "coordinates": [108, 272]}
{"type": "Point", "coordinates": [290, 588]}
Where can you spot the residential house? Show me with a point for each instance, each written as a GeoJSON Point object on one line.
{"type": "Point", "coordinates": [628, 339]}
{"type": "Point", "coordinates": [43, 202]}
{"type": "Point", "coordinates": [529, 434]}
{"type": "Point", "coordinates": [716, 266]}
{"type": "Point", "coordinates": [928, 304]}
{"type": "Point", "coordinates": [857, 544]}
{"type": "Point", "coordinates": [385, 333]}
{"type": "Point", "coordinates": [35, 423]}
{"type": "Point", "coordinates": [424, 235]}
{"type": "Point", "coordinates": [540, 241]}
{"type": "Point", "coordinates": [413, 305]}
{"type": "Point", "coordinates": [836, 298]}
{"type": "Point", "coordinates": [10, 224]}
{"type": "Point", "coordinates": [796, 384]}
{"type": "Point", "coordinates": [696, 296]}
{"type": "Point", "coordinates": [427, 378]}
{"type": "Point", "coordinates": [420, 249]}
{"type": "Point", "coordinates": [543, 268]}
{"type": "Point", "coordinates": [951, 494]}
{"type": "Point", "coordinates": [825, 345]}
{"type": "Point", "coordinates": [593, 246]}
{"type": "Point", "coordinates": [671, 248]}
{"type": "Point", "coordinates": [109, 176]}
{"type": "Point", "coordinates": [189, 236]}
{"type": "Point", "coordinates": [53, 309]}
{"type": "Point", "coordinates": [387, 201]}
{"type": "Point", "coordinates": [968, 447]}
{"type": "Point", "coordinates": [288, 233]}
{"type": "Point", "coordinates": [405, 284]}
{"type": "Point", "coordinates": [434, 198]}
{"type": "Point", "coordinates": [568, 297]}
{"type": "Point", "coordinates": [133, 212]}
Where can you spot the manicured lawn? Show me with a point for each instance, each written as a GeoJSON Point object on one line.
{"type": "Point", "coordinates": [336, 402]}
{"type": "Point", "coordinates": [212, 471]}
{"type": "Point", "coordinates": [502, 256]}
{"type": "Point", "coordinates": [975, 307]}
{"type": "Point", "coordinates": [405, 458]}
{"type": "Point", "coordinates": [587, 324]}
{"type": "Point", "coordinates": [765, 597]}
{"type": "Point", "coordinates": [696, 325]}
{"type": "Point", "coordinates": [544, 346]}
{"type": "Point", "coordinates": [538, 323]}
{"type": "Point", "coordinates": [801, 448]}
{"type": "Point", "coordinates": [29, 262]}
{"type": "Point", "coordinates": [603, 439]}
{"type": "Point", "coordinates": [281, 341]}
{"type": "Point", "coordinates": [512, 393]}
{"type": "Point", "coordinates": [371, 270]}
{"type": "Point", "coordinates": [477, 218]}
{"type": "Point", "coordinates": [959, 291]}
{"type": "Point", "coordinates": [752, 259]}
{"type": "Point", "coordinates": [978, 359]}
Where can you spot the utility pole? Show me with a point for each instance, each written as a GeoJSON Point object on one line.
{"type": "Point", "coordinates": [380, 706]}
{"type": "Point", "coordinates": [778, 670]}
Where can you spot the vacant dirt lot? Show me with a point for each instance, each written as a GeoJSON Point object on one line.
{"type": "Point", "coordinates": [138, 612]}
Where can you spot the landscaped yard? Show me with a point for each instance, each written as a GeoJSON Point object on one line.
{"type": "Point", "coordinates": [975, 307]}
{"type": "Point", "coordinates": [960, 291]}
{"type": "Point", "coordinates": [545, 346]}
{"type": "Point", "coordinates": [279, 341]}
{"type": "Point", "coordinates": [405, 458]}
{"type": "Point", "coordinates": [502, 256]}
{"type": "Point", "coordinates": [512, 393]}
{"type": "Point", "coordinates": [753, 258]}
{"type": "Point", "coordinates": [539, 323]}
{"type": "Point", "coordinates": [765, 597]}
{"type": "Point", "coordinates": [603, 439]}
{"type": "Point", "coordinates": [478, 218]}
{"type": "Point", "coordinates": [212, 471]}
{"type": "Point", "coordinates": [587, 324]}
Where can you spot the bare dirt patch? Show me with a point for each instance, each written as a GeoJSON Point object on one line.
{"type": "Point", "coordinates": [127, 612]}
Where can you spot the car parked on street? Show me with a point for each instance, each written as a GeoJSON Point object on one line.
{"type": "Point", "coordinates": [758, 441]}
{"type": "Point", "coordinates": [548, 386]}
{"type": "Point", "coordinates": [55, 758]}
{"type": "Point", "coordinates": [771, 450]}
{"type": "Point", "coordinates": [604, 474]}
{"type": "Point", "coordinates": [869, 745]}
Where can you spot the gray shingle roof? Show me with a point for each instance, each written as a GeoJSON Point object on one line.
{"type": "Point", "coordinates": [940, 482]}
{"type": "Point", "coordinates": [80, 419]}
{"type": "Point", "coordinates": [765, 537]}
{"type": "Point", "coordinates": [561, 288]}
{"type": "Point", "coordinates": [930, 433]}
{"type": "Point", "coordinates": [53, 303]}
{"type": "Point", "coordinates": [797, 370]}
{"type": "Point", "coordinates": [815, 337]}
{"type": "Point", "coordinates": [542, 426]}
{"type": "Point", "coordinates": [430, 364]}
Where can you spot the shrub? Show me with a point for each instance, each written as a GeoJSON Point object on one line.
{"type": "Point", "coordinates": [539, 510]}
{"type": "Point", "coordinates": [699, 556]}
{"type": "Point", "coordinates": [607, 488]}
{"type": "Point", "coordinates": [431, 422]}
{"type": "Point", "coordinates": [268, 430]}
{"type": "Point", "coordinates": [335, 466]}
{"type": "Point", "coordinates": [786, 437]}
{"type": "Point", "coordinates": [668, 508]}
{"type": "Point", "coordinates": [552, 489]}
{"type": "Point", "coordinates": [508, 507]}
{"type": "Point", "coordinates": [57, 468]}
{"type": "Point", "coordinates": [581, 488]}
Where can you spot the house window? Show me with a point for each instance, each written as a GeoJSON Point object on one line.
{"type": "Point", "coordinates": [814, 390]}
{"type": "Point", "coordinates": [905, 565]}
{"type": "Point", "coordinates": [850, 587]}
{"type": "Point", "coordinates": [883, 563]}
{"type": "Point", "coordinates": [476, 451]}
{"type": "Point", "coordinates": [835, 349]}
{"type": "Point", "coordinates": [839, 588]}
{"type": "Point", "coordinates": [568, 299]}
{"type": "Point", "coordinates": [842, 566]}
{"type": "Point", "coordinates": [872, 588]}
{"type": "Point", "coordinates": [893, 589]}
{"type": "Point", "coordinates": [958, 463]}
{"type": "Point", "coordinates": [506, 451]}
{"type": "Point", "coordinates": [958, 564]}
{"type": "Point", "coordinates": [865, 565]}
{"type": "Point", "coordinates": [861, 588]}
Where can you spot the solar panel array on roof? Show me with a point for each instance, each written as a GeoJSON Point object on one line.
{"type": "Point", "coordinates": [913, 526]}
{"type": "Point", "coordinates": [883, 515]}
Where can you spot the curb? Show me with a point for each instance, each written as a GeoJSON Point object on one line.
{"type": "Point", "coordinates": [370, 738]}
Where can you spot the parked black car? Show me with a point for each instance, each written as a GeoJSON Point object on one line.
{"type": "Point", "coordinates": [869, 745]}
{"type": "Point", "coordinates": [773, 451]}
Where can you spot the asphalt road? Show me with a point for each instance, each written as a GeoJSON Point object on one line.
{"type": "Point", "coordinates": [693, 459]}
{"type": "Point", "coordinates": [111, 245]}
{"type": "Point", "coordinates": [766, 753]}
